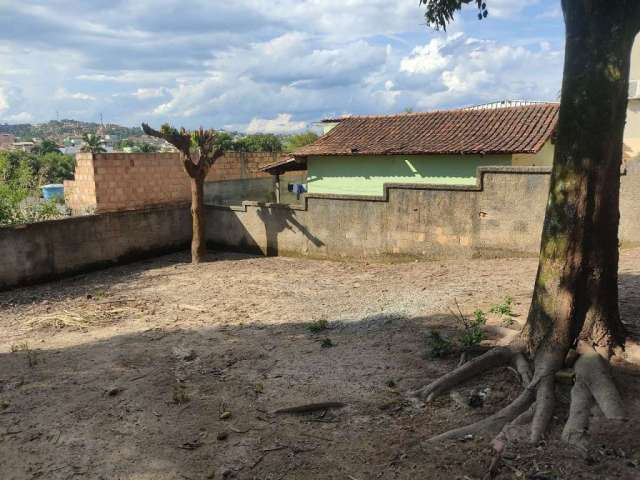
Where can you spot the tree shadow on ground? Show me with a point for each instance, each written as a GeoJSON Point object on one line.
{"type": "Point", "coordinates": [149, 405]}
{"type": "Point", "coordinates": [98, 281]}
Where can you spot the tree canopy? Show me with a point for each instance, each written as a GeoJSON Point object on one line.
{"type": "Point", "coordinates": [92, 143]}
{"type": "Point", "coordinates": [439, 13]}
{"type": "Point", "coordinates": [293, 142]}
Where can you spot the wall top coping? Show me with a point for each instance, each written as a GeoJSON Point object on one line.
{"type": "Point", "coordinates": [81, 218]}
{"type": "Point", "coordinates": [479, 186]}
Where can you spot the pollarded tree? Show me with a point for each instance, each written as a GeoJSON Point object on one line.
{"type": "Point", "coordinates": [575, 299]}
{"type": "Point", "coordinates": [198, 153]}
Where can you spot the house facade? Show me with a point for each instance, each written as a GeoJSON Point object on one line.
{"type": "Point", "coordinates": [359, 155]}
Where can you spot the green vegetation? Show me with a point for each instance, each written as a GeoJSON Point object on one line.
{"type": "Point", "coordinates": [258, 143]}
{"type": "Point", "coordinates": [503, 308]}
{"type": "Point", "coordinates": [473, 334]}
{"type": "Point", "coordinates": [46, 146]}
{"type": "Point", "coordinates": [21, 175]}
{"type": "Point", "coordinates": [136, 147]}
{"type": "Point", "coordinates": [59, 129]}
{"type": "Point", "coordinates": [293, 142]}
{"type": "Point", "coordinates": [231, 142]}
{"type": "Point", "coordinates": [93, 143]}
{"type": "Point", "coordinates": [318, 326]}
{"type": "Point", "coordinates": [436, 345]}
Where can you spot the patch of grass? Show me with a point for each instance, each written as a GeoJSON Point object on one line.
{"type": "Point", "coordinates": [318, 326]}
{"type": "Point", "coordinates": [473, 333]}
{"type": "Point", "coordinates": [327, 343]}
{"type": "Point", "coordinates": [437, 345]}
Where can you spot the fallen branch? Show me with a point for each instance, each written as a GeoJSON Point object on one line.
{"type": "Point", "coordinates": [310, 407]}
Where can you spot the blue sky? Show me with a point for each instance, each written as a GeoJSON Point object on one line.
{"type": "Point", "coordinates": [266, 65]}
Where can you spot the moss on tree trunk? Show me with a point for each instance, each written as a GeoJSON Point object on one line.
{"type": "Point", "coordinates": [576, 289]}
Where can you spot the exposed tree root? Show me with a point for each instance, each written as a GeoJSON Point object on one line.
{"type": "Point", "coordinates": [534, 407]}
{"type": "Point", "coordinates": [594, 386]}
{"type": "Point", "coordinates": [493, 358]}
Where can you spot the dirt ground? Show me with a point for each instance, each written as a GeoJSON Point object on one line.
{"type": "Point", "coordinates": [161, 370]}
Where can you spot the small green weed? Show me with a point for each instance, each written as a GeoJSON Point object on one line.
{"type": "Point", "coordinates": [473, 334]}
{"type": "Point", "coordinates": [436, 345]}
{"type": "Point", "coordinates": [318, 326]}
{"type": "Point", "coordinates": [503, 308]}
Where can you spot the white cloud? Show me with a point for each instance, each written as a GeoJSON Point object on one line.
{"type": "Point", "coordinates": [281, 124]}
{"type": "Point", "coordinates": [428, 58]}
{"type": "Point", "coordinates": [243, 63]}
{"type": "Point", "coordinates": [150, 92]}
{"type": "Point", "coordinates": [62, 94]}
{"type": "Point", "coordinates": [22, 117]}
{"type": "Point", "coordinates": [4, 102]}
{"type": "Point", "coordinates": [460, 70]}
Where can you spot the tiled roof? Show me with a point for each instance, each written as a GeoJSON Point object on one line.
{"type": "Point", "coordinates": [287, 164]}
{"type": "Point", "coordinates": [523, 129]}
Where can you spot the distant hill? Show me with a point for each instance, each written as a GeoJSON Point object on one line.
{"type": "Point", "coordinates": [60, 129]}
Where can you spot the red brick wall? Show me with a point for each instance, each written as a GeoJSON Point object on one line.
{"type": "Point", "coordinates": [123, 181]}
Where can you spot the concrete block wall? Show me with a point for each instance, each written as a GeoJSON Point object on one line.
{"type": "Point", "coordinates": [47, 250]}
{"type": "Point", "coordinates": [501, 215]}
{"type": "Point", "coordinates": [80, 193]}
{"type": "Point", "coordinates": [258, 189]}
{"type": "Point", "coordinates": [128, 181]}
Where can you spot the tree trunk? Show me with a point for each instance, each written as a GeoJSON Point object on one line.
{"type": "Point", "coordinates": [198, 243]}
{"type": "Point", "coordinates": [576, 290]}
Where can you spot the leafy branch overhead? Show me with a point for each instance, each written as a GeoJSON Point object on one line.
{"type": "Point", "coordinates": [440, 12]}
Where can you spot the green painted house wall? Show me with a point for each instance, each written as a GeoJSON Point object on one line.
{"type": "Point", "coordinates": [366, 175]}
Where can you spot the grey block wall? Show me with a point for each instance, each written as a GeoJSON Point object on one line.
{"type": "Point", "coordinates": [501, 215]}
{"type": "Point", "coordinates": [48, 250]}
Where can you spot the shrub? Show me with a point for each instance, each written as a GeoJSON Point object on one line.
{"type": "Point", "coordinates": [473, 333]}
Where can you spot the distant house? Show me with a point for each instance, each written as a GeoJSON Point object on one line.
{"type": "Point", "coordinates": [23, 146]}
{"type": "Point", "coordinates": [6, 141]}
{"type": "Point", "coordinates": [359, 155]}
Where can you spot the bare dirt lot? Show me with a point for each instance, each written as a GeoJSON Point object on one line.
{"type": "Point", "coordinates": [160, 370]}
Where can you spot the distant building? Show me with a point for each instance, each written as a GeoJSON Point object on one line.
{"type": "Point", "coordinates": [23, 146]}
{"type": "Point", "coordinates": [6, 141]}
{"type": "Point", "coordinates": [361, 154]}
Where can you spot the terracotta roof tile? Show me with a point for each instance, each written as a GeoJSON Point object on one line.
{"type": "Point", "coordinates": [522, 129]}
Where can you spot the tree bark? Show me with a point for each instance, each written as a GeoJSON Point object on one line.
{"type": "Point", "coordinates": [198, 244]}
{"type": "Point", "coordinates": [576, 290]}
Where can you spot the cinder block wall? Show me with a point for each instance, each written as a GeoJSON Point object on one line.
{"type": "Point", "coordinates": [80, 194]}
{"type": "Point", "coordinates": [501, 215]}
{"type": "Point", "coordinates": [47, 250]}
{"type": "Point", "coordinates": [127, 181]}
